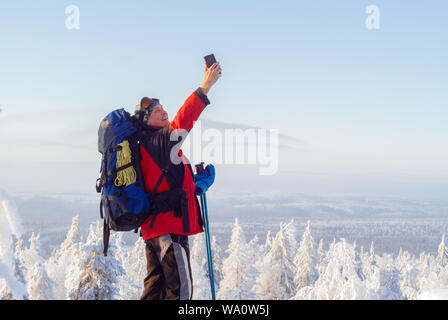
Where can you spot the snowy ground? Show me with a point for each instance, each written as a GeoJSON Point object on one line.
{"type": "Point", "coordinates": [441, 294]}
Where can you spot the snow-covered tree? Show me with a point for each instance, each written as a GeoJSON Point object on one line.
{"type": "Point", "coordinates": [133, 262]}
{"type": "Point", "coordinates": [121, 253]}
{"type": "Point", "coordinates": [217, 261]}
{"type": "Point", "coordinates": [73, 236]}
{"type": "Point", "coordinates": [290, 233]}
{"type": "Point", "coordinates": [30, 264]}
{"type": "Point", "coordinates": [237, 272]}
{"type": "Point", "coordinates": [275, 279]}
{"type": "Point", "coordinates": [199, 268]}
{"type": "Point", "coordinates": [305, 261]}
{"type": "Point", "coordinates": [404, 259]}
{"type": "Point", "coordinates": [39, 285]}
{"type": "Point", "coordinates": [19, 268]}
{"type": "Point", "coordinates": [267, 243]}
{"type": "Point", "coordinates": [254, 249]}
{"type": "Point", "coordinates": [5, 293]}
{"type": "Point", "coordinates": [409, 271]}
{"type": "Point", "coordinates": [431, 275]}
{"type": "Point", "coordinates": [56, 265]}
{"type": "Point", "coordinates": [199, 265]}
{"type": "Point", "coordinates": [428, 273]}
{"type": "Point", "coordinates": [201, 283]}
{"type": "Point", "coordinates": [369, 262]}
{"type": "Point", "coordinates": [390, 280]}
{"type": "Point", "coordinates": [321, 253]}
{"type": "Point", "coordinates": [372, 258]}
{"type": "Point", "coordinates": [10, 287]}
{"type": "Point", "coordinates": [342, 277]}
{"type": "Point", "coordinates": [91, 275]}
{"type": "Point", "coordinates": [408, 283]}
{"type": "Point", "coordinates": [442, 254]}
{"type": "Point", "coordinates": [11, 282]}
{"type": "Point", "coordinates": [198, 252]}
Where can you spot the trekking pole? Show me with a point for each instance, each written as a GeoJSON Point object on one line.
{"type": "Point", "coordinates": [199, 169]}
{"type": "Point", "coordinates": [209, 249]}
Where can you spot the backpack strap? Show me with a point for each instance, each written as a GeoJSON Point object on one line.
{"type": "Point", "coordinates": [153, 192]}
{"type": "Point", "coordinates": [106, 235]}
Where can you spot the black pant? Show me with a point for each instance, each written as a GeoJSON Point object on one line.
{"type": "Point", "coordinates": [169, 270]}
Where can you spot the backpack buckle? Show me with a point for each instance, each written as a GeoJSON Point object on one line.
{"type": "Point", "coordinates": [99, 185]}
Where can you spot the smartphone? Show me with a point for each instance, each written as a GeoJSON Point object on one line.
{"type": "Point", "coordinates": [209, 60]}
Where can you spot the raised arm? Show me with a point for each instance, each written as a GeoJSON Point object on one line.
{"type": "Point", "coordinates": [197, 101]}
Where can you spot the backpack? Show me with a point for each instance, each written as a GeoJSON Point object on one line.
{"type": "Point", "coordinates": [124, 204]}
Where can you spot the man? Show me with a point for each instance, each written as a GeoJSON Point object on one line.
{"type": "Point", "coordinates": [165, 234]}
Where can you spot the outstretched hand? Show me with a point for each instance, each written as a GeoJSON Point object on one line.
{"type": "Point", "coordinates": [211, 75]}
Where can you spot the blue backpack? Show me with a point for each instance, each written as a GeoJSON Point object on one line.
{"type": "Point", "coordinates": [124, 203]}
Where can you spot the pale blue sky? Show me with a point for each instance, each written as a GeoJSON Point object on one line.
{"type": "Point", "coordinates": [370, 103]}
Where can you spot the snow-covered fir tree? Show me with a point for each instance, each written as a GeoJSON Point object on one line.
{"type": "Point", "coordinates": [201, 283]}
{"type": "Point", "coordinates": [199, 268]}
{"type": "Point", "coordinates": [10, 287]}
{"type": "Point", "coordinates": [60, 259]}
{"type": "Point", "coordinates": [404, 258]}
{"type": "Point", "coordinates": [369, 262]}
{"type": "Point", "coordinates": [442, 254]}
{"type": "Point", "coordinates": [321, 253]}
{"type": "Point", "coordinates": [342, 277]}
{"type": "Point", "coordinates": [305, 261]}
{"type": "Point", "coordinates": [39, 285]}
{"type": "Point", "coordinates": [133, 261]}
{"type": "Point", "coordinates": [290, 233]}
{"type": "Point", "coordinates": [390, 280]}
{"type": "Point", "coordinates": [12, 270]}
{"type": "Point", "coordinates": [197, 251]}
{"type": "Point", "coordinates": [217, 254]}
{"type": "Point", "coordinates": [407, 266]}
{"type": "Point", "coordinates": [237, 272]}
{"type": "Point", "coordinates": [372, 257]}
{"type": "Point", "coordinates": [428, 279]}
{"type": "Point", "coordinates": [5, 293]}
{"type": "Point", "coordinates": [266, 247]}
{"type": "Point", "coordinates": [254, 249]}
{"type": "Point", "coordinates": [10, 228]}
{"type": "Point", "coordinates": [91, 275]}
{"type": "Point", "coordinates": [19, 268]}
{"type": "Point", "coordinates": [275, 280]}
{"type": "Point", "coordinates": [121, 252]}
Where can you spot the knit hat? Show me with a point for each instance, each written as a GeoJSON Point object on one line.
{"type": "Point", "coordinates": [145, 108]}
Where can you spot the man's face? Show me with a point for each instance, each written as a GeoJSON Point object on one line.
{"type": "Point", "coordinates": [158, 117]}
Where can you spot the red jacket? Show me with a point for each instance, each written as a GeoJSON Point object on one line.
{"type": "Point", "coordinates": [155, 154]}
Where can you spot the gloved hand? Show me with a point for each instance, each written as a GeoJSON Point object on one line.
{"type": "Point", "coordinates": [204, 180]}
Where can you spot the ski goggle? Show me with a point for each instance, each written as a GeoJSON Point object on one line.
{"type": "Point", "coordinates": [146, 107]}
{"type": "Point", "coordinates": [146, 102]}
